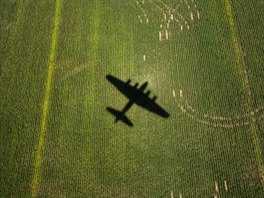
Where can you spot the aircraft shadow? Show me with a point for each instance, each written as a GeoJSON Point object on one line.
{"type": "Point", "coordinates": [136, 95]}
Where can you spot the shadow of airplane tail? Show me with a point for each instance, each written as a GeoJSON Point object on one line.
{"type": "Point", "coordinates": [119, 116]}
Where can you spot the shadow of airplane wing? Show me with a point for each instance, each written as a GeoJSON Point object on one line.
{"type": "Point", "coordinates": [153, 107]}
{"type": "Point", "coordinates": [123, 87]}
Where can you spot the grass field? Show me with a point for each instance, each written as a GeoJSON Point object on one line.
{"type": "Point", "coordinates": [203, 59]}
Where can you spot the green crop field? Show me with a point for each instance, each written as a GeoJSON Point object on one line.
{"type": "Point", "coordinates": [202, 59]}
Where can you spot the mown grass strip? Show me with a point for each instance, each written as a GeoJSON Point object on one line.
{"type": "Point", "coordinates": [246, 86]}
{"type": "Point", "coordinates": [41, 140]}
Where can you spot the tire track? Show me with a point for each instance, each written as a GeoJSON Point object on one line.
{"type": "Point", "coordinates": [243, 71]}
{"type": "Point", "coordinates": [51, 65]}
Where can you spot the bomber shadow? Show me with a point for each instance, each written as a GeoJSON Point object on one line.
{"type": "Point", "coordinates": [135, 95]}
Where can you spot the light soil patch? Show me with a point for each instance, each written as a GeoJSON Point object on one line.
{"type": "Point", "coordinates": [75, 71]}
{"type": "Point", "coordinates": [170, 16]}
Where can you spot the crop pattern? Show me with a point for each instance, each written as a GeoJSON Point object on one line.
{"type": "Point", "coordinates": [202, 59]}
